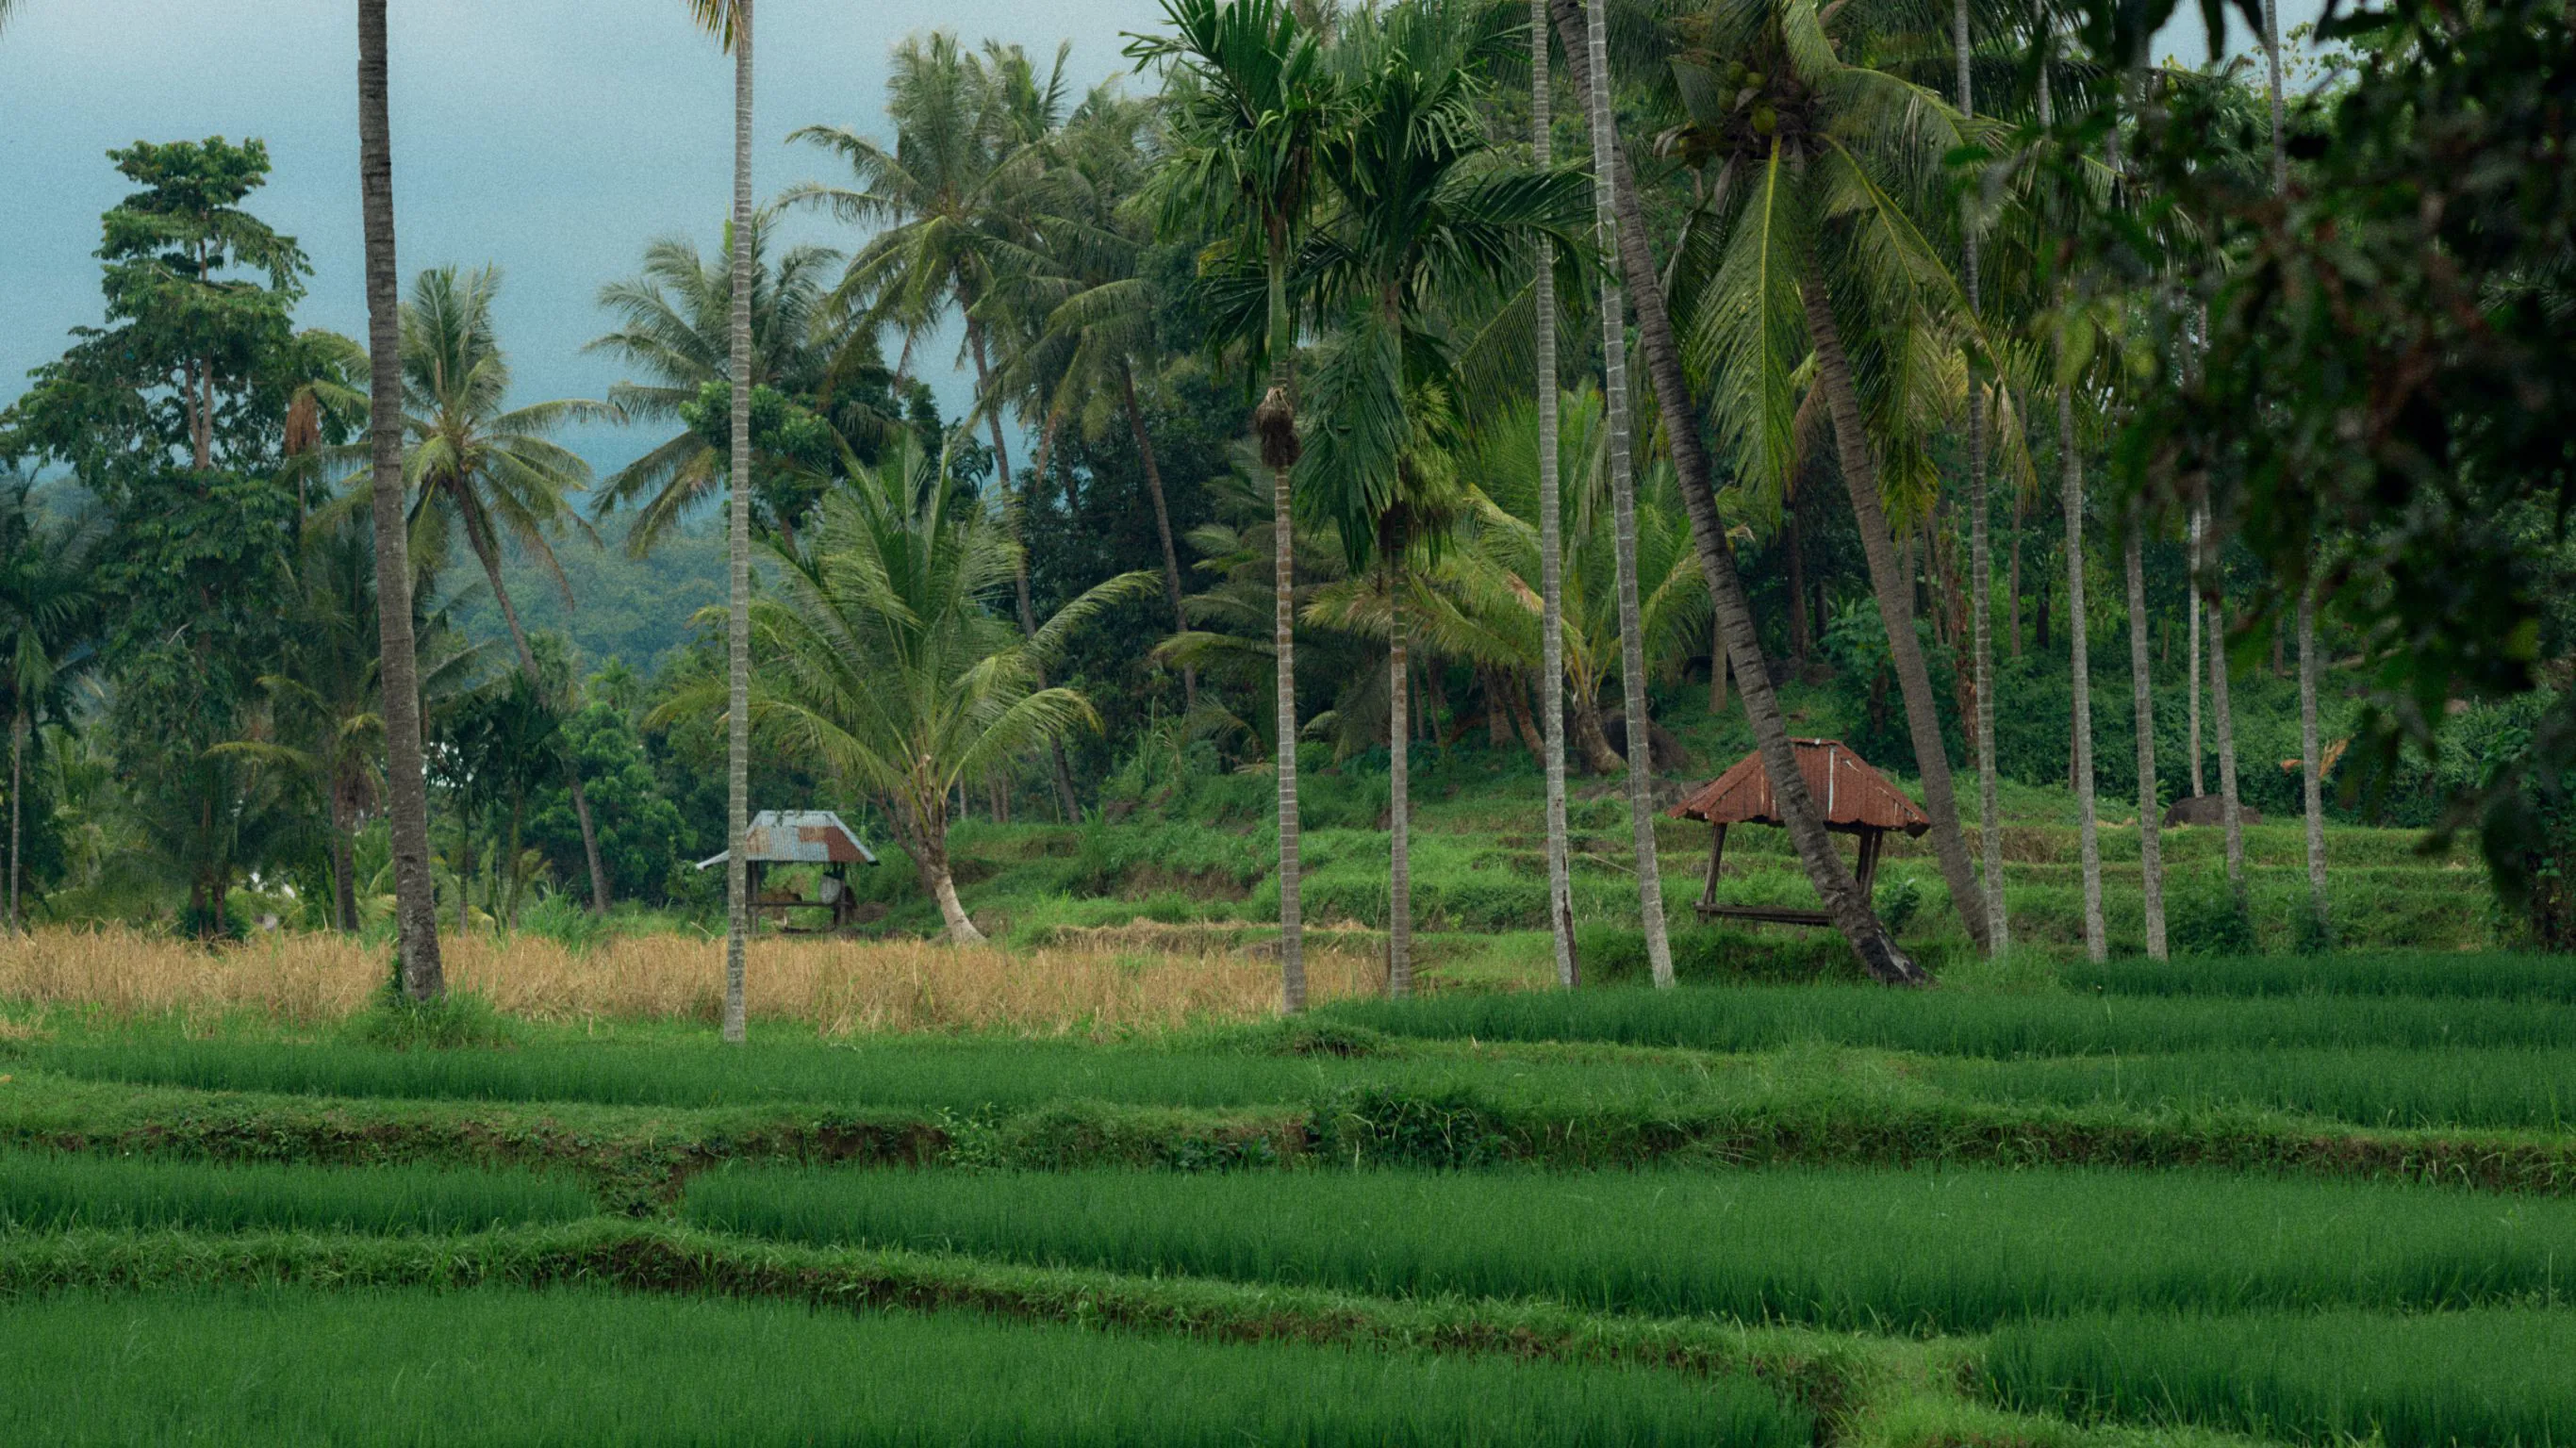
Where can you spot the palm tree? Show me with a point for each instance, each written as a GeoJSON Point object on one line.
{"type": "Point", "coordinates": [2078, 631]}
{"type": "Point", "coordinates": [1990, 835]}
{"type": "Point", "coordinates": [2311, 771]}
{"type": "Point", "coordinates": [1818, 171]}
{"type": "Point", "coordinates": [1086, 289]}
{"type": "Point", "coordinates": [1850, 909]}
{"type": "Point", "coordinates": [952, 203]}
{"type": "Point", "coordinates": [489, 471]}
{"type": "Point", "coordinates": [675, 327]}
{"type": "Point", "coordinates": [1614, 351]}
{"type": "Point", "coordinates": [730, 21]}
{"type": "Point", "coordinates": [882, 655]}
{"type": "Point", "coordinates": [1427, 221]}
{"type": "Point", "coordinates": [1250, 107]}
{"type": "Point", "coordinates": [406, 777]}
{"type": "Point", "coordinates": [1551, 671]}
{"type": "Point", "coordinates": [47, 609]}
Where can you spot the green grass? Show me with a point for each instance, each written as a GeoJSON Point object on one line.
{"type": "Point", "coordinates": [289, 1366]}
{"type": "Point", "coordinates": [2485, 1377]}
{"type": "Point", "coordinates": [929, 1076]}
{"type": "Point", "coordinates": [42, 1192]}
{"type": "Point", "coordinates": [2500, 1087]}
{"type": "Point", "coordinates": [1892, 1250]}
{"type": "Point", "coordinates": [2432, 974]}
{"type": "Point", "coordinates": [1960, 1023]}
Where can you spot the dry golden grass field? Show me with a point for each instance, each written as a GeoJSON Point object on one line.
{"type": "Point", "coordinates": [837, 987]}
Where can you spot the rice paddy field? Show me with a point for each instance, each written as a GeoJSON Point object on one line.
{"type": "Point", "coordinates": [2315, 1200]}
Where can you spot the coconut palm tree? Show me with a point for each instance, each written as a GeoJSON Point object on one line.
{"type": "Point", "coordinates": [1661, 350]}
{"type": "Point", "coordinates": [1614, 352]}
{"type": "Point", "coordinates": [1990, 835]}
{"type": "Point", "coordinates": [2078, 627]}
{"type": "Point", "coordinates": [2311, 771]}
{"type": "Point", "coordinates": [1250, 105]}
{"type": "Point", "coordinates": [1551, 545]}
{"type": "Point", "coordinates": [883, 654]}
{"type": "Point", "coordinates": [406, 777]}
{"type": "Point", "coordinates": [487, 470]}
{"type": "Point", "coordinates": [1085, 288]}
{"type": "Point", "coordinates": [1821, 172]}
{"type": "Point", "coordinates": [675, 327]}
{"type": "Point", "coordinates": [953, 204]}
{"type": "Point", "coordinates": [1428, 219]}
{"type": "Point", "coordinates": [730, 22]}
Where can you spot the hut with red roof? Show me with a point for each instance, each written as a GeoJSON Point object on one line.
{"type": "Point", "coordinates": [1853, 798]}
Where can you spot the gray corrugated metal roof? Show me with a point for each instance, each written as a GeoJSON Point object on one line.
{"type": "Point", "coordinates": [799, 837]}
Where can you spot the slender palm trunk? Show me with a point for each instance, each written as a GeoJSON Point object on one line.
{"type": "Point", "coordinates": [2311, 762]}
{"type": "Point", "coordinates": [1551, 535]}
{"type": "Point", "coordinates": [464, 870]}
{"type": "Point", "coordinates": [17, 815]}
{"type": "Point", "coordinates": [2142, 697]}
{"type": "Point", "coordinates": [1399, 872]}
{"type": "Point", "coordinates": [487, 552]}
{"type": "Point", "coordinates": [344, 873]}
{"type": "Point", "coordinates": [1276, 422]}
{"type": "Point", "coordinates": [1162, 523]}
{"type": "Point", "coordinates": [1895, 589]}
{"type": "Point", "coordinates": [1591, 732]}
{"type": "Point", "coordinates": [1990, 832]}
{"type": "Point", "coordinates": [738, 549]}
{"type": "Point", "coordinates": [2232, 811]}
{"type": "Point", "coordinates": [1623, 503]}
{"type": "Point", "coordinates": [2199, 783]}
{"type": "Point", "coordinates": [1849, 909]}
{"type": "Point", "coordinates": [2080, 667]}
{"type": "Point", "coordinates": [406, 779]}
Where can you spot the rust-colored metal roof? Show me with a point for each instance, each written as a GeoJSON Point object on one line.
{"type": "Point", "coordinates": [1852, 795]}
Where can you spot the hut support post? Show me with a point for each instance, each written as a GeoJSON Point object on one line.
{"type": "Point", "coordinates": [1716, 862]}
{"type": "Point", "coordinates": [1870, 841]}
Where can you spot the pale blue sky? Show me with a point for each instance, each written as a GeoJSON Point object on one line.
{"type": "Point", "coordinates": [552, 137]}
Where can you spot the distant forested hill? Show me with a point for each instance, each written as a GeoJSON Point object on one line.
{"type": "Point", "coordinates": [623, 607]}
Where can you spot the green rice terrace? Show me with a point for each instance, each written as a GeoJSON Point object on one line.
{"type": "Point", "coordinates": [2304, 1200]}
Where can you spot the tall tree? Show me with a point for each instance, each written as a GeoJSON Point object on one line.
{"type": "Point", "coordinates": [488, 470]}
{"type": "Point", "coordinates": [2311, 770]}
{"type": "Point", "coordinates": [1250, 109]}
{"type": "Point", "coordinates": [1877, 950]}
{"type": "Point", "coordinates": [1981, 569]}
{"type": "Point", "coordinates": [406, 778]}
{"type": "Point", "coordinates": [953, 201]}
{"type": "Point", "coordinates": [675, 327]}
{"type": "Point", "coordinates": [1427, 218]}
{"type": "Point", "coordinates": [1820, 178]}
{"type": "Point", "coordinates": [1551, 528]}
{"type": "Point", "coordinates": [2078, 624]}
{"type": "Point", "coordinates": [730, 20]}
{"type": "Point", "coordinates": [1623, 501]}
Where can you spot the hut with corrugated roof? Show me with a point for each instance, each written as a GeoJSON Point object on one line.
{"type": "Point", "coordinates": [1854, 799]}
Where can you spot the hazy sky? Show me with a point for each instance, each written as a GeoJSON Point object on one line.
{"type": "Point", "coordinates": [552, 137]}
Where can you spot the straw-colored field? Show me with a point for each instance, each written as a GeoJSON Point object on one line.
{"type": "Point", "coordinates": [837, 987]}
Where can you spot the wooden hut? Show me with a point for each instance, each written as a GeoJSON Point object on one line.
{"type": "Point", "coordinates": [1854, 799]}
{"type": "Point", "coordinates": [801, 837]}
